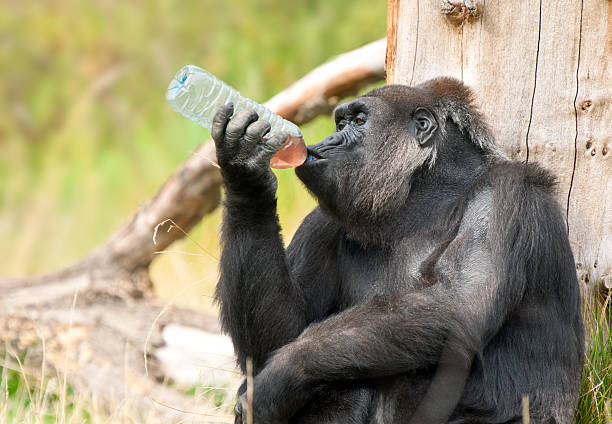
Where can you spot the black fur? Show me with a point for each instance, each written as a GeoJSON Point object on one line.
{"type": "Point", "coordinates": [434, 283]}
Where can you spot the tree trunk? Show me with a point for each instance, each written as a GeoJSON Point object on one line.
{"type": "Point", "coordinates": [542, 74]}
{"type": "Point", "coordinates": [97, 320]}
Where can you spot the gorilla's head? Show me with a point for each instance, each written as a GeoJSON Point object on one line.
{"type": "Point", "coordinates": [363, 172]}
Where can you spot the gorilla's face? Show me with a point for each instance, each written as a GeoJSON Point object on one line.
{"type": "Point", "coordinates": [362, 171]}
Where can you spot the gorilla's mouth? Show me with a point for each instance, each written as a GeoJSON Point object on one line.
{"type": "Point", "coordinates": [313, 155]}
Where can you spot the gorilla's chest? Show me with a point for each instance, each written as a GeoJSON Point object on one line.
{"type": "Point", "coordinates": [365, 272]}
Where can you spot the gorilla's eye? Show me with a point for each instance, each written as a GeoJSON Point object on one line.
{"type": "Point", "coordinates": [360, 121]}
{"type": "Point", "coordinates": [341, 126]}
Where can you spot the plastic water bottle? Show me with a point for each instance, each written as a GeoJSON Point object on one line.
{"type": "Point", "coordinates": [197, 94]}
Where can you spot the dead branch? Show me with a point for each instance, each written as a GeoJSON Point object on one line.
{"type": "Point", "coordinates": [99, 340]}
{"type": "Point", "coordinates": [120, 266]}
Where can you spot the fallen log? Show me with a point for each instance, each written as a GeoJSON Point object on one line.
{"type": "Point", "coordinates": [98, 321]}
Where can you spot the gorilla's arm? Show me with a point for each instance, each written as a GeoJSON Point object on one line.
{"type": "Point", "coordinates": [388, 336]}
{"type": "Point", "coordinates": [261, 306]}
{"type": "Point", "coordinates": [262, 291]}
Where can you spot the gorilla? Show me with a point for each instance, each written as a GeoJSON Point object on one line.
{"type": "Point", "coordinates": [433, 283]}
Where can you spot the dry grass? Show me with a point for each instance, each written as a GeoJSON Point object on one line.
{"type": "Point", "coordinates": [49, 402]}
{"type": "Point", "coordinates": [30, 396]}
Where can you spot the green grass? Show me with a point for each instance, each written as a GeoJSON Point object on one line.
{"type": "Point", "coordinates": [24, 400]}
{"type": "Point", "coordinates": [595, 401]}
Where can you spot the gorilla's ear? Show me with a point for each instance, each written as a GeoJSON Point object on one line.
{"type": "Point", "coordinates": [423, 125]}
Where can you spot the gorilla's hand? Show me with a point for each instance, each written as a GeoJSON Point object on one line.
{"type": "Point", "coordinates": [243, 156]}
{"type": "Point", "coordinates": [238, 418]}
{"type": "Point", "coordinates": [241, 414]}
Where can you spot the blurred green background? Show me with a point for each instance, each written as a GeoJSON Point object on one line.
{"type": "Point", "coordinates": [85, 133]}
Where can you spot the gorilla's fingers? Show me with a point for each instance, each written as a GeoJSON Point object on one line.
{"type": "Point", "coordinates": [254, 133]}
{"type": "Point", "coordinates": [240, 408]}
{"type": "Point", "coordinates": [238, 413]}
{"type": "Point", "coordinates": [274, 143]}
{"type": "Point", "coordinates": [238, 125]}
{"type": "Point", "coordinates": [219, 123]}
{"type": "Point", "coordinates": [267, 149]}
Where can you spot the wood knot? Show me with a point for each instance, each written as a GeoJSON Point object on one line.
{"type": "Point", "coordinates": [459, 11]}
{"type": "Point", "coordinates": [586, 105]}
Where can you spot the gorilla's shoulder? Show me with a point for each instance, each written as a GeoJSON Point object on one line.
{"type": "Point", "coordinates": [319, 218]}
{"type": "Point", "coordinates": [509, 186]}
{"type": "Point", "coordinates": [514, 174]}
{"type": "Point", "coordinates": [318, 227]}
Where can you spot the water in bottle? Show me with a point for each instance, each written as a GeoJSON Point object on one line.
{"type": "Point", "coordinates": [197, 95]}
